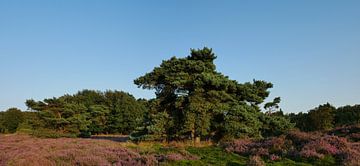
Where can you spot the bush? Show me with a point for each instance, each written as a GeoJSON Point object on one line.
{"type": "Point", "coordinates": [309, 147]}
{"type": "Point", "coordinates": [327, 145]}
{"type": "Point", "coordinates": [328, 160]}
{"type": "Point", "coordinates": [25, 150]}
{"type": "Point", "coordinates": [25, 128]}
{"type": "Point", "coordinates": [351, 155]}
{"type": "Point", "coordinates": [351, 132]}
{"type": "Point", "coordinates": [240, 146]}
{"type": "Point", "coordinates": [47, 133]}
{"type": "Point", "coordinates": [85, 134]}
{"type": "Point", "coordinates": [177, 157]}
{"type": "Point", "coordinates": [275, 146]}
{"type": "Point", "coordinates": [299, 138]}
{"type": "Point", "coordinates": [255, 161]}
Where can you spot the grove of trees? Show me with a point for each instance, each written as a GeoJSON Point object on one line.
{"type": "Point", "coordinates": [193, 101]}
{"type": "Point", "coordinates": [89, 112]}
{"type": "Point", "coordinates": [325, 117]}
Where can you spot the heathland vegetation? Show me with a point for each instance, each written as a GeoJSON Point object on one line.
{"type": "Point", "coordinates": [198, 117]}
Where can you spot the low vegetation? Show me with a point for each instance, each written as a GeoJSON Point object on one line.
{"type": "Point", "coordinates": [293, 148]}
{"type": "Point", "coordinates": [26, 150]}
{"type": "Point", "coordinates": [315, 148]}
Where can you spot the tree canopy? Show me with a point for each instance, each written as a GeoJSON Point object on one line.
{"type": "Point", "coordinates": [326, 116]}
{"type": "Point", "coordinates": [196, 101]}
{"type": "Point", "coordinates": [90, 112]}
{"type": "Point", "coordinates": [10, 120]}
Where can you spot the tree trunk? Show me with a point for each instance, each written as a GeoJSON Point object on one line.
{"type": "Point", "coordinates": [193, 134]}
{"type": "Point", "coordinates": [197, 140]}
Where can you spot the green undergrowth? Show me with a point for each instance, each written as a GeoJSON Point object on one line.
{"type": "Point", "coordinates": [213, 155]}
{"type": "Point", "coordinates": [286, 162]}
{"type": "Point", "coordinates": [217, 156]}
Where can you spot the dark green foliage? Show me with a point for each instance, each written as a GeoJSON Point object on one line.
{"type": "Point", "coordinates": [326, 117]}
{"type": "Point", "coordinates": [89, 112]}
{"type": "Point", "coordinates": [125, 112]}
{"type": "Point", "coordinates": [216, 156]}
{"type": "Point", "coordinates": [154, 124]}
{"type": "Point", "coordinates": [2, 127]}
{"type": "Point", "coordinates": [14, 120]}
{"type": "Point", "coordinates": [242, 121]}
{"type": "Point", "coordinates": [328, 160]}
{"type": "Point", "coordinates": [31, 122]}
{"type": "Point", "coordinates": [320, 118]}
{"type": "Point", "coordinates": [61, 115]}
{"type": "Point", "coordinates": [275, 124]}
{"type": "Point", "coordinates": [195, 101]}
{"type": "Point", "coordinates": [347, 115]}
{"type": "Point", "coordinates": [50, 133]}
{"type": "Point", "coordinates": [10, 120]}
{"type": "Point", "coordinates": [301, 120]}
{"type": "Point", "coordinates": [272, 106]}
{"type": "Point", "coordinates": [99, 118]}
{"type": "Point", "coordinates": [287, 162]}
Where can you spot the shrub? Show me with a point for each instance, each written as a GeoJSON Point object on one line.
{"type": "Point", "coordinates": [255, 161]}
{"type": "Point", "coordinates": [266, 147]}
{"type": "Point", "coordinates": [351, 132]}
{"type": "Point", "coordinates": [299, 138]}
{"type": "Point", "coordinates": [240, 146]}
{"type": "Point", "coordinates": [178, 156]}
{"type": "Point", "coordinates": [26, 150]}
{"type": "Point", "coordinates": [325, 148]}
{"type": "Point", "coordinates": [259, 152]}
{"type": "Point", "coordinates": [175, 157]}
{"type": "Point", "coordinates": [327, 160]}
{"type": "Point", "coordinates": [354, 136]}
{"type": "Point", "coordinates": [274, 157]}
{"type": "Point", "coordinates": [310, 153]}
{"type": "Point", "coordinates": [351, 155]}
{"type": "Point", "coordinates": [24, 128]}
{"type": "Point", "coordinates": [310, 147]}
{"type": "Point", "coordinates": [48, 133]}
{"type": "Point", "coordinates": [275, 145]}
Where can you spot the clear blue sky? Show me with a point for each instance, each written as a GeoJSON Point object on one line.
{"type": "Point", "coordinates": [309, 49]}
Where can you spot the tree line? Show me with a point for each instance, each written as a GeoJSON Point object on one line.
{"type": "Point", "coordinates": [193, 101]}
{"type": "Point", "coordinates": [326, 117]}
{"type": "Point", "coordinates": [82, 114]}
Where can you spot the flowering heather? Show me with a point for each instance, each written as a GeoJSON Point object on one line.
{"type": "Point", "coordinates": [300, 138]}
{"type": "Point", "coordinates": [310, 153]}
{"type": "Point", "coordinates": [26, 150]}
{"type": "Point", "coordinates": [255, 161]}
{"type": "Point", "coordinates": [275, 145]}
{"type": "Point", "coordinates": [354, 136]}
{"type": "Point", "coordinates": [175, 157]}
{"type": "Point", "coordinates": [178, 156]}
{"type": "Point", "coordinates": [260, 151]}
{"type": "Point", "coordinates": [274, 157]}
{"type": "Point", "coordinates": [240, 146]}
{"type": "Point", "coordinates": [299, 144]}
{"type": "Point", "coordinates": [352, 156]}
{"type": "Point", "coordinates": [351, 132]}
{"type": "Point", "coordinates": [327, 145]}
